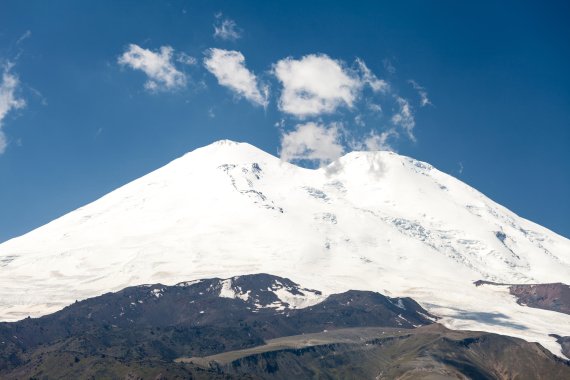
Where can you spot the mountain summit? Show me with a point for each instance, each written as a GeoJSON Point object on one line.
{"type": "Point", "coordinates": [370, 220]}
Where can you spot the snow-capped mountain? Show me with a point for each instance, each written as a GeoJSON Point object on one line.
{"type": "Point", "coordinates": [370, 220]}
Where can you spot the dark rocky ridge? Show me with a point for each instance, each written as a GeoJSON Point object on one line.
{"type": "Point", "coordinates": [140, 331]}
{"type": "Point", "coordinates": [162, 323]}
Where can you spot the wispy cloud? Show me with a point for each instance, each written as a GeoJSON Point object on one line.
{"type": "Point", "coordinates": [186, 59]}
{"type": "Point", "coordinates": [404, 117]}
{"type": "Point", "coordinates": [313, 142]}
{"type": "Point", "coordinates": [228, 66]}
{"type": "Point", "coordinates": [374, 107]}
{"type": "Point", "coordinates": [8, 99]}
{"type": "Point", "coordinates": [424, 100]}
{"type": "Point", "coordinates": [157, 65]}
{"type": "Point", "coordinates": [369, 78]}
{"type": "Point", "coordinates": [226, 29]}
{"type": "Point", "coordinates": [315, 84]}
{"type": "Point", "coordinates": [389, 66]}
{"type": "Point", "coordinates": [378, 141]}
{"type": "Point", "coordinates": [27, 34]}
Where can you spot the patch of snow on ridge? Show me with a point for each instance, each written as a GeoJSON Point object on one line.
{"type": "Point", "coordinates": [188, 283]}
{"type": "Point", "coordinates": [243, 296]}
{"type": "Point", "coordinates": [281, 296]}
{"type": "Point", "coordinates": [227, 291]}
{"type": "Point", "coordinates": [301, 300]}
{"type": "Point", "coordinates": [400, 304]}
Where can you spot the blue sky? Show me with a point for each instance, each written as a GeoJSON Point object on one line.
{"type": "Point", "coordinates": [97, 93]}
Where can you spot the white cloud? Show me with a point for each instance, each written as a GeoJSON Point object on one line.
{"type": "Point", "coordinates": [368, 77]}
{"type": "Point", "coordinates": [157, 65]}
{"type": "Point", "coordinates": [405, 117]}
{"type": "Point", "coordinates": [359, 120]}
{"type": "Point", "coordinates": [373, 141]}
{"type": "Point", "coordinates": [314, 85]}
{"type": "Point", "coordinates": [376, 108]}
{"type": "Point", "coordinates": [313, 142]}
{"type": "Point", "coordinates": [424, 100]}
{"type": "Point", "coordinates": [8, 99]}
{"type": "Point", "coordinates": [228, 67]}
{"type": "Point", "coordinates": [226, 29]}
{"type": "Point", "coordinates": [186, 59]}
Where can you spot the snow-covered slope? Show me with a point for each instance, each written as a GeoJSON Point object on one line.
{"type": "Point", "coordinates": [371, 220]}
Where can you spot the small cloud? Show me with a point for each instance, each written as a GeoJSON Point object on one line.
{"type": "Point", "coordinates": [8, 99]}
{"type": "Point", "coordinates": [376, 142]}
{"type": "Point", "coordinates": [39, 95]}
{"type": "Point", "coordinates": [157, 65]}
{"type": "Point", "coordinates": [376, 108]}
{"type": "Point", "coordinates": [373, 141]}
{"type": "Point", "coordinates": [24, 36]}
{"type": "Point", "coordinates": [359, 120]}
{"type": "Point", "coordinates": [226, 29]}
{"type": "Point", "coordinates": [186, 59]}
{"type": "Point", "coordinates": [228, 67]}
{"type": "Point", "coordinates": [312, 142]}
{"type": "Point", "coordinates": [460, 167]}
{"type": "Point", "coordinates": [424, 100]}
{"type": "Point", "coordinates": [377, 85]}
{"type": "Point", "coordinates": [315, 84]}
{"type": "Point", "coordinates": [389, 67]}
{"type": "Point", "coordinates": [404, 118]}
{"type": "Point", "coordinates": [211, 113]}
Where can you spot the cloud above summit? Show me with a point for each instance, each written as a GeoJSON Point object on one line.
{"type": "Point", "coordinates": [315, 84]}
{"type": "Point", "coordinates": [313, 142]}
{"type": "Point", "coordinates": [404, 117]}
{"type": "Point", "coordinates": [344, 103]}
{"type": "Point", "coordinates": [158, 66]}
{"type": "Point", "coordinates": [326, 105]}
{"type": "Point", "coordinates": [228, 66]}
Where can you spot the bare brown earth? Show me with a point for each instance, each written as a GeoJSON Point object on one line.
{"type": "Point", "coordinates": [429, 352]}
{"type": "Point", "coordinates": [554, 297]}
